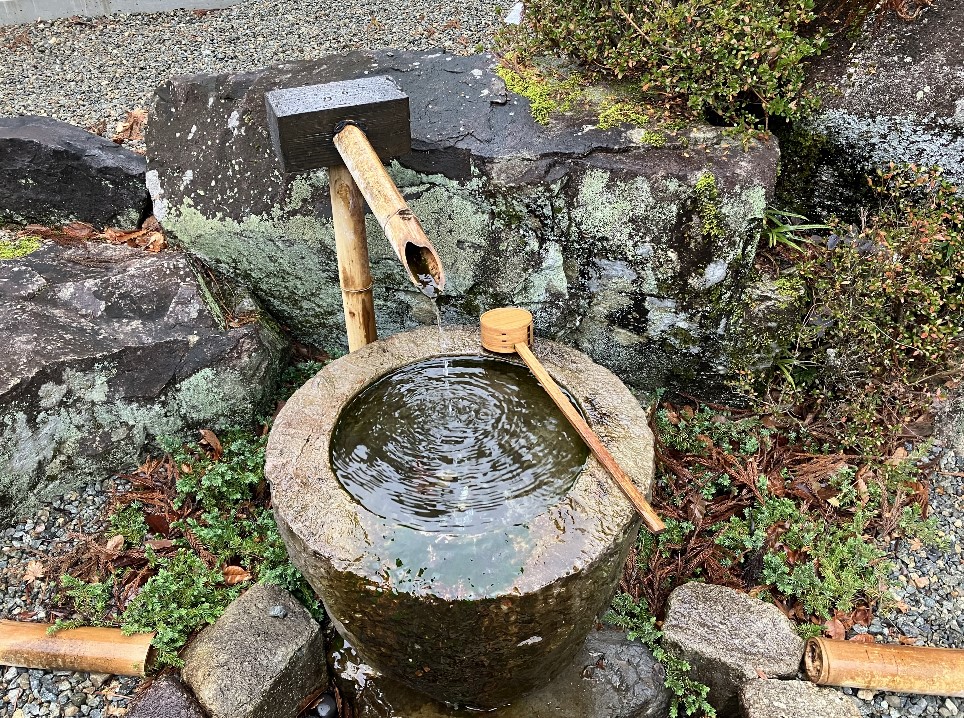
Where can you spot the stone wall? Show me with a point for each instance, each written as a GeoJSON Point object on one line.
{"type": "Point", "coordinates": [634, 253]}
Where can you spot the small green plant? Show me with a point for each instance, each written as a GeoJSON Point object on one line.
{"type": "Point", "coordinates": [182, 596]}
{"type": "Point", "coordinates": [91, 602]}
{"type": "Point", "coordinates": [634, 618]}
{"type": "Point", "coordinates": [779, 229]}
{"type": "Point", "coordinates": [128, 521]}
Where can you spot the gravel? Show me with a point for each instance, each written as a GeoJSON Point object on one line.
{"type": "Point", "coordinates": [92, 71]}
{"type": "Point", "coordinates": [929, 581]}
{"type": "Point", "coordinates": [24, 548]}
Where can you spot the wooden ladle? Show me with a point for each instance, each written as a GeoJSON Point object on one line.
{"type": "Point", "coordinates": [508, 330]}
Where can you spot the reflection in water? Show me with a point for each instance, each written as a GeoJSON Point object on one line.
{"type": "Point", "coordinates": [466, 444]}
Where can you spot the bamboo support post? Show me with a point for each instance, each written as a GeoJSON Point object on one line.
{"type": "Point", "coordinates": [509, 329]}
{"type": "Point", "coordinates": [399, 223]}
{"type": "Point", "coordinates": [91, 650]}
{"type": "Point", "coordinates": [902, 669]}
{"type": "Point", "coordinates": [354, 269]}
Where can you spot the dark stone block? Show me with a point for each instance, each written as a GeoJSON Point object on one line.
{"type": "Point", "coordinates": [166, 697]}
{"type": "Point", "coordinates": [52, 173]}
{"type": "Point", "coordinates": [106, 348]}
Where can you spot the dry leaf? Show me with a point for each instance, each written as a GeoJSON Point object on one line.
{"type": "Point", "coordinates": [79, 230]}
{"type": "Point", "coordinates": [158, 523]}
{"type": "Point", "coordinates": [863, 638]}
{"type": "Point", "coordinates": [211, 439]}
{"type": "Point", "coordinates": [920, 581]}
{"type": "Point", "coordinates": [834, 629]}
{"type": "Point", "coordinates": [35, 570]}
{"type": "Point", "coordinates": [916, 544]}
{"type": "Point", "coordinates": [899, 455]}
{"type": "Point", "coordinates": [902, 606]}
{"type": "Point", "coordinates": [907, 640]}
{"type": "Point", "coordinates": [234, 575]}
{"type": "Point", "coordinates": [115, 543]}
{"type": "Point", "coordinates": [862, 616]}
{"type": "Point", "coordinates": [761, 674]}
{"type": "Point", "coordinates": [132, 128]}
{"type": "Point", "coordinates": [158, 544]}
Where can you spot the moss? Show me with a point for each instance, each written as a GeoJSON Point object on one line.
{"type": "Point", "coordinates": [19, 247]}
{"type": "Point", "coordinates": [708, 207]}
{"type": "Point", "coordinates": [613, 113]}
{"type": "Point", "coordinates": [546, 96]}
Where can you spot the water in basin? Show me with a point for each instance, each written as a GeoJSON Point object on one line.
{"type": "Point", "coordinates": [463, 444]}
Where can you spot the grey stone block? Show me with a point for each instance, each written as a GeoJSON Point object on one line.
{"type": "Point", "coordinates": [729, 638]}
{"type": "Point", "coordinates": [794, 699]}
{"type": "Point", "coordinates": [52, 173]}
{"type": "Point", "coordinates": [257, 661]}
{"type": "Point", "coordinates": [166, 697]}
{"type": "Point", "coordinates": [106, 348]}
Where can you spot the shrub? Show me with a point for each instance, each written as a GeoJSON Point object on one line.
{"type": "Point", "coordinates": [740, 60]}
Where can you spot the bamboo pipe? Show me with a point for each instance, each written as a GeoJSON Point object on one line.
{"type": "Point", "coordinates": [91, 650]}
{"type": "Point", "coordinates": [354, 268]}
{"type": "Point", "coordinates": [399, 223]}
{"type": "Point", "coordinates": [509, 330]}
{"type": "Point", "coordinates": [902, 669]}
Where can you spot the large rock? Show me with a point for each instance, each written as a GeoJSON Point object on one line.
{"type": "Point", "coordinates": [52, 173]}
{"type": "Point", "coordinates": [261, 659]}
{"type": "Point", "coordinates": [634, 253]}
{"type": "Point", "coordinates": [729, 638]}
{"type": "Point", "coordinates": [794, 699]}
{"type": "Point", "coordinates": [895, 94]}
{"type": "Point", "coordinates": [611, 677]}
{"type": "Point", "coordinates": [166, 698]}
{"type": "Point", "coordinates": [106, 348]}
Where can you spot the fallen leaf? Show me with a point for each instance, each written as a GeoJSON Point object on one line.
{"type": "Point", "coordinates": [35, 570]}
{"type": "Point", "coordinates": [900, 453]}
{"type": "Point", "coordinates": [114, 543]}
{"type": "Point", "coordinates": [234, 575]}
{"type": "Point", "coordinates": [916, 544]}
{"type": "Point", "coordinates": [761, 674]}
{"type": "Point", "coordinates": [158, 544]}
{"type": "Point", "coordinates": [79, 230]}
{"type": "Point", "coordinates": [211, 439]}
{"type": "Point", "coordinates": [834, 629]}
{"type": "Point", "coordinates": [862, 616]}
{"type": "Point", "coordinates": [863, 638]}
{"type": "Point", "coordinates": [132, 128]}
{"type": "Point", "coordinates": [920, 581]}
{"type": "Point", "coordinates": [158, 523]}
{"type": "Point", "coordinates": [696, 509]}
{"type": "Point", "coordinates": [902, 606]}
{"type": "Point", "coordinates": [907, 640]}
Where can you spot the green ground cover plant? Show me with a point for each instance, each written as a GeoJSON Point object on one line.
{"type": "Point", "coordinates": [194, 530]}
{"type": "Point", "coordinates": [739, 62]}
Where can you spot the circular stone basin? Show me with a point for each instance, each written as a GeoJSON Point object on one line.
{"type": "Point", "coordinates": [483, 586]}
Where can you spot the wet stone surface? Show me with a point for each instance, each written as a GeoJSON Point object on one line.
{"type": "Point", "coordinates": [407, 599]}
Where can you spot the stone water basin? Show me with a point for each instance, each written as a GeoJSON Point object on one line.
{"type": "Point", "coordinates": [473, 603]}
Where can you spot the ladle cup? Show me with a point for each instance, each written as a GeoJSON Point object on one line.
{"type": "Point", "coordinates": [508, 330]}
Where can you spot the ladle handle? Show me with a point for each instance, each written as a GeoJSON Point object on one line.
{"type": "Point", "coordinates": [652, 520]}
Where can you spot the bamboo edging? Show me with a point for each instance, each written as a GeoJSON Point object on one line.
{"type": "Point", "coordinates": [901, 669]}
{"type": "Point", "coordinates": [508, 330]}
{"type": "Point", "coordinates": [90, 650]}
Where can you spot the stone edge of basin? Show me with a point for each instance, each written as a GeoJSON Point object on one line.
{"type": "Point", "coordinates": [298, 464]}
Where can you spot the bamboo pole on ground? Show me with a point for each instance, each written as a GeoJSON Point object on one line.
{"type": "Point", "coordinates": [400, 224]}
{"type": "Point", "coordinates": [354, 269]}
{"type": "Point", "coordinates": [902, 669]}
{"type": "Point", "coordinates": [509, 329]}
{"type": "Point", "coordinates": [91, 650]}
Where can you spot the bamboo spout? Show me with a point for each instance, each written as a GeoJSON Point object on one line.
{"type": "Point", "coordinates": [508, 330]}
{"type": "Point", "coordinates": [399, 223]}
